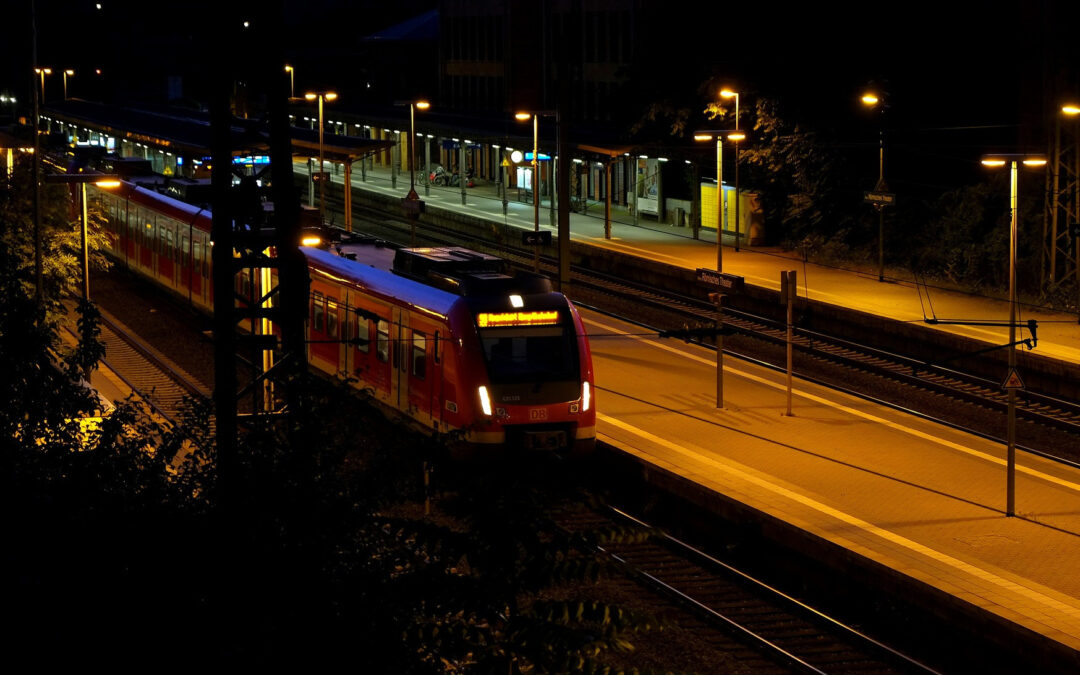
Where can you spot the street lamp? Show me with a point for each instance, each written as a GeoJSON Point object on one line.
{"type": "Point", "coordinates": [292, 80]}
{"type": "Point", "coordinates": [101, 180]}
{"type": "Point", "coordinates": [412, 203]}
{"type": "Point", "coordinates": [734, 136]}
{"type": "Point", "coordinates": [66, 73]}
{"type": "Point", "coordinates": [872, 100]}
{"type": "Point", "coordinates": [535, 116]}
{"type": "Point", "coordinates": [321, 96]}
{"type": "Point", "coordinates": [413, 107]}
{"type": "Point", "coordinates": [1071, 110]}
{"type": "Point", "coordinates": [43, 72]}
{"type": "Point", "coordinates": [727, 93]}
{"type": "Point", "coordinates": [1012, 380]}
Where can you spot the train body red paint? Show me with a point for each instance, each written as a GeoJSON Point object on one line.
{"type": "Point", "coordinates": [440, 336]}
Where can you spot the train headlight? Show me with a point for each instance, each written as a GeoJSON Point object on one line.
{"type": "Point", "coordinates": [586, 396]}
{"type": "Point", "coordinates": [485, 400]}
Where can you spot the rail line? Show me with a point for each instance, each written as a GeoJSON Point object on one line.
{"type": "Point", "coordinates": [765, 629]}
{"type": "Point", "coordinates": [652, 306]}
{"type": "Point", "coordinates": [161, 385]}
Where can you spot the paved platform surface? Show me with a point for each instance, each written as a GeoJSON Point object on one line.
{"type": "Point", "coordinates": [900, 296]}
{"type": "Point", "coordinates": [911, 499]}
{"type": "Point", "coordinates": [915, 507]}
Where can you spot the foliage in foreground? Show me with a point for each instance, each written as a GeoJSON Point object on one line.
{"type": "Point", "coordinates": [124, 546]}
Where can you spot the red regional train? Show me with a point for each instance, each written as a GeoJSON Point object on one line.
{"type": "Point", "coordinates": [441, 336]}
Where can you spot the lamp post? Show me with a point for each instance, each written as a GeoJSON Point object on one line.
{"type": "Point", "coordinates": [708, 135]}
{"type": "Point", "coordinates": [292, 80]}
{"type": "Point", "coordinates": [872, 100]}
{"type": "Point", "coordinates": [522, 116]}
{"type": "Point", "coordinates": [735, 138]}
{"type": "Point", "coordinates": [535, 116]}
{"type": "Point", "coordinates": [101, 180]}
{"type": "Point", "coordinates": [412, 203]}
{"type": "Point", "coordinates": [1073, 110]}
{"type": "Point", "coordinates": [43, 72]}
{"type": "Point", "coordinates": [1012, 380]}
{"type": "Point", "coordinates": [321, 96]}
{"type": "Point", "coordinates": [413, 107]}
{"type": "Point", "coordinates": [66, 73]}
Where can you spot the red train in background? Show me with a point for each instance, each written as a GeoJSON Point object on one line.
{"type": "Point", "coordinates": [441, 336]}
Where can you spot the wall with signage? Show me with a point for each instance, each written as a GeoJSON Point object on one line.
{"type": "Point", "coordinates": [751, 225]}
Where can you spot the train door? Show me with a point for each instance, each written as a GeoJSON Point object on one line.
{"type": "Point", "coordinates": [185, 264]}
{"type": "Point", "coordinates": [197, 269]}
{"type": "Point", "coordinates": [202, 267]}
{"type": "Point", "coordinates": [399, 359]}
{"type": "Point", "coordinates": [325, 345]}
{"type": "Point", "coordinates": [166, 252]}
{"type": "Point", "coordinates": [129, 234]}
{"type": "Point", "coordinates": [360, 356]}
{"type": "Point", "coordinates": [424, 372]}
{"type": "Point", "coordinates": [382, 372]}
{"type": "Point", "coordinates": [146, 241]}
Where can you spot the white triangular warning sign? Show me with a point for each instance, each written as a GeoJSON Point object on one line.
{"type": "Point", "coordinates": [1013, 381]}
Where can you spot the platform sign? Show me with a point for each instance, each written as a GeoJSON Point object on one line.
{"type": "Point", "coordinates": [412, 204]}
{"type": "Point", "coordinates": [879, 198]}
{"type": "Point", "coordinates": [534, 238]}
{"type": "Point", "coordinates": [1013, 381]}
{"type": "Point", "coordinates": [727, 283]}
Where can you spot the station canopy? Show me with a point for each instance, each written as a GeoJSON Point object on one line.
{"type": "Point", "coordinates": [182, 131]}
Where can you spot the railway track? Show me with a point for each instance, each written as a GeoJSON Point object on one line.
{"type": "Point", "coordinates": [970, 402]}
{"type": "Point", "coordinates": [775, 635]}
{"type": "Point", "coordinates": [152, 376]}
{"type": "Point", "coordinates": [764, 629]}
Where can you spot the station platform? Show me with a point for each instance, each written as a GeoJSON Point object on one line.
{"type": "Point", "coordinates": [910, 512]}
{"type": "Point", "coordinates": [900, 296]}
{"type": "Point", "coordinates": [903, 504]}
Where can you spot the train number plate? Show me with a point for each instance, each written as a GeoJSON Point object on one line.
{"type": "Point", "coordinates": [538, 414]}
{"type": "Point", "coordinates": [545, 440]}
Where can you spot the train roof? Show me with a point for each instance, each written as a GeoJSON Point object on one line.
{"type": "Point", "coordinates": [172, 207]}
{"type": "Point", "coordinates": [381, 280]}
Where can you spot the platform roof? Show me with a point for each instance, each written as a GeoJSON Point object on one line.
{"type": "Point", "coordinates": [188, 131]}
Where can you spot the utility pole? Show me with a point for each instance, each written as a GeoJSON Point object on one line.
{"type": "Point", "coordinates": [39, 277]}
{"type": "Point", "coordinates": [243, 244]}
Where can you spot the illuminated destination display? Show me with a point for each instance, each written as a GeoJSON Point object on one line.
{"type": "Point", "coordinates": [504, 319]}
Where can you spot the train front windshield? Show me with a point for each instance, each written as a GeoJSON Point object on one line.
{"type": "Point", "coordinates": [518, 352]}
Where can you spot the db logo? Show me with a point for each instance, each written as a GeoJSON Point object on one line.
{"type": "Point", "coordinates": [537, 414]}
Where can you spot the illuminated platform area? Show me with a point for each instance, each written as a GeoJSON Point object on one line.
{"type": "Point", "coordinates": [900, 298]}
{"type": "Point", "coordinates": [902, 506]}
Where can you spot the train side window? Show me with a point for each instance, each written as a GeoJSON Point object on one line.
{"type": "Point", "coordinates": [317, 311]}
{"type": "Point", "coordinates": [382, 340]}
{"type": "Point", "coordinates": [419, 354]}
{"type": "Point", "coordinates": [331, 318]}
{"type": "Point", "coordinates": [363, 334]}
{"type": "Point", "coordinates": [196, 257]}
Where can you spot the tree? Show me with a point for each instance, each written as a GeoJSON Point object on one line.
{"type": "Point", "coordinates": [797, 176]}
{"type": "Point", "coordinates": [61, 235]}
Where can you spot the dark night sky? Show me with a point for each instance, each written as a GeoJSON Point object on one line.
{"type": "Point", "coordinates": [952, 67]}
